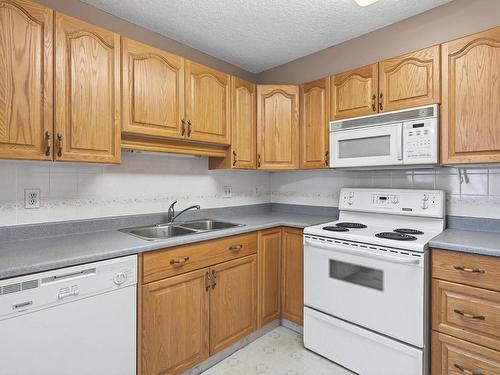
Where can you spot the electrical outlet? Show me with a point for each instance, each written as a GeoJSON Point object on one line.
{"type": "Point", "coordinates": [228, 191]}
{"type": "Point", "coordinates": [257, 190]}
{"type": "Point", "coordinates": [31, 198]}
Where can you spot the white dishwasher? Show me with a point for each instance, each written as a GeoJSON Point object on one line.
{"type": "Point", "coordinates": [74, 321]}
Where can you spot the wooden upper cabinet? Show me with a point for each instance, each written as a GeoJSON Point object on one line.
{"type": "Point", "coordinates": [208, 104]}
{"type": "Point", "coordinates": [232, 302]}
{"type": "Point", "coordinates": [153, 90]}
{"type": "Point", "coordinates": [354, 93]}
{"type": "Point", "coordinates": [409, 80]}
{"type": "Point", "coordinates": [26, 68]}
{"type": "Point", "coordinates": [87, 92]}
{"type": "Point", "coordinates": [278, 127]}
{"type": "Point", "coordinates": [244, 129]}
{"type": "Point", "coordinates": [175, 323]}
{"type": "Point", "coordinates": [470, 112]}
{"type": "Point", "coordinates": [292, 275]}
{"type": "Point", "coordinates": [314, 119]}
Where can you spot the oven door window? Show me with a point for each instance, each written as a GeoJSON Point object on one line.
{"type": "Point", "coordinates": [365, 147]}
{"type": "Point", "coordinates": [355, 274]}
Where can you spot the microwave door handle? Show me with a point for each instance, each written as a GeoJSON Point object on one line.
{"type": "Point", "coordinates": [399, 142]}
{"type": "Point", "coordinates": [365, 254]}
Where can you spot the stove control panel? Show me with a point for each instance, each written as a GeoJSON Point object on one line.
{"type": "Point", "coordinates": [394, 201]}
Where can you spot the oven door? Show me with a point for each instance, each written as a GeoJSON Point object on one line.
{"type": "Point", "coordinates": [380, 290]}
{"type": "Point", "coordinates": [370, 146]}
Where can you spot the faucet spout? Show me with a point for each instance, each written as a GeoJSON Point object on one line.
{"type": "Point", "coordinates": [196, 207]}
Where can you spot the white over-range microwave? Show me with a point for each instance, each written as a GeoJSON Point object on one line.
{"type": "Point", "coordinates": [393, 139]}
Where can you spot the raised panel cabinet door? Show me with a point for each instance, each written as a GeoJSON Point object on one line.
{"type": "Point", "coordinates": [314, 119]}
{"type": "Point", "coordinates": [208, 104]}
{"type": "Point", "coordinates": [153, 91]}
{"type": "Point", "coordinates": [244, 125]}
{"type": "Point", "coordinates": [410, 80]}
{"type": "Point", "coordinates": [269, 267]}
{"type": "Point", "coordinates": [233, 297]}
{"type": "Point", "coordinates": [175, 323]}
{"type": "Point", "coordinates": [278, 127]}
{"type": "Point", "coordinates": [87, 92]}
{"type": "Point", "coordinates": [355, 93]}
{"type": "Point", "coordinates": [470, 111]}
{"type": "Point", "coordinates": [26, 69]}
{"type": "Point", "coordinates": [292, 275]}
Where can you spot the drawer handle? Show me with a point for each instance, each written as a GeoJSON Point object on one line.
{"type": "Point", "coordinates": [236, 247]}
{"type": "Point", "coordinates": [465, 371]}
{"type": "Point", "coordinates": [178, 262]}
{"type": "Point", "coordinates": [471, 270]}
{"type": "Point", "coordinates": [470, 316]}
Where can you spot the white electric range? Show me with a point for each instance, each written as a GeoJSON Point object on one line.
{"type": "Point", "coordinates": [366, 281]}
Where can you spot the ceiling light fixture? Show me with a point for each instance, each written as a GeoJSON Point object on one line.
{"type": "Point", "coordinates": [365, 3]}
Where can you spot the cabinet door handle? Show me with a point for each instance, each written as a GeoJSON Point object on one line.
{"type": "Point", "coordinates": [236, 247]}
{"type": "Point", "coordinates": [467, 269]}
{"type": "Point", "coordinates": [234, 158]}
{"type": "Point", "coordinates": [374, 107]}
{"type": "Point", "coordinates": [214, 278]}
{"type": "Point", "coordinates": [48, 136]}
{"type": "Point", "coordinates": [59, 144]}
{"type": "Point", "coordinates": [258, 160]}
{"type": "Point", "coordinates": [470, 316]}
{"type": "Point", "coordinates": [183, 127]}
{"type": "Point", "coordinates": [207, 281]}
{"type": "Point", "coordinates": [465, 371]}
{"type": "Point", "coordinates": [178, 262]}
{"type": "Point", "coordinates": [327, 158]}
{"type": "Point", "coordinates": [380, 105]}
{"type": "Point", "coordinates": [189, 128]}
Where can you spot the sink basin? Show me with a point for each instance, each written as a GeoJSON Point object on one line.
{"type": "Point", "coordinates": [208, 225]}
{"type": "Point", "coordinates": [159, 232]}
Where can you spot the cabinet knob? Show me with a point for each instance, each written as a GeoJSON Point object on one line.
{"type": "Point", "coordinates": [208, 281]}
{"type": "Point", "coordinates": [380, 105]}
{"type": "Point", "coordinates": [48, 136]}
{"type": "Point", "coordinates": [258, 160]}
{"type": "Point", "coordinates": [236, 247]}
{"type": "Point", "coordinates": [374, 107]}
{"type": "Point", "coordinates": [234, 158]}
{"type": "Point", "coordinates": [214, 278]}
{"type": "Point", "coordinates": [59, 144]}
{"type": "Point", "coordinates": [189, 128]}
{"type": "Point", "coordinates": [183, 127]}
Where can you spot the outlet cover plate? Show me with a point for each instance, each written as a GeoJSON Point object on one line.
{"type": "Point", "coordinates": [31, 198]}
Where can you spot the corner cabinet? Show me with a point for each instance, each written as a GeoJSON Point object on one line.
{"type": "Point", "coordinates": [470, 111]}
{"type": "Point", "coordinates": [314, 119]}
{"type": "Point", "coordinates": [208, 104]}
{"type": "Point", "coordinates": [410, 80]}
{"type": "Point", "coordinates": [153, 91]}
{"type": "Point", "coordinates": [278, 127]}
{"type": "Point", "coordinates": [354, 93]}
{"type": "Point", "coordinates": [26, 80]}
{"type": "Point", "coordinates": [87, 92]}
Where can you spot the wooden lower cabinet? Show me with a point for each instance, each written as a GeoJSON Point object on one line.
{"type": "Point", "coordinates": [232, 301]}
{"type": "Point", "coordinates": [292, 275]}
{"type": "Point", "coordinates": [175, 323]}
{"type": "Point", "coordinates": [269, 254]}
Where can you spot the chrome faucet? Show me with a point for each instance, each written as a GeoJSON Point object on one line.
{"type": "Point", "coordinates": [171, 216]}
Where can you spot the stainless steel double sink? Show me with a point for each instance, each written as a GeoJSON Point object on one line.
{"type": "Point", "coordinates": [170, 230]}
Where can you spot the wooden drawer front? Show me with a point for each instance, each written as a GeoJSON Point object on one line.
{"type": "Point", "coordinates": [467, 312]}
{"type": "Point", "coordinates": [174, 261]}
{"type": "Point", "coordinates": [451, 356]}
{"type": "Point", "coordinates": [471, 269]}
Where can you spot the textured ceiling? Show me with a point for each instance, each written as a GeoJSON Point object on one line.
{"type": "Point", "coordinates": [257, 35]}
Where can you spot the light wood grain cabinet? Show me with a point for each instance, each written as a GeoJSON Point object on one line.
{"type": "Point", "coordinates": [470, 112]}
{"type": "Point", "coordinates": [26, 79]}
{"type": "Point", "coordinates": [153, 91]}
{"type": "Point", "coordinates": [410, 80]}
{"type": "Point", "coordinates": [269, 275]}
{"type": "Point", "coordinates": [314, 119]}
{"type": "Point", "coordinates": [292, 275]}
{"type": "Point", "coordinates": [233, 298]}
{"type": "Point", "coordinates": [278, 127]}
{"type": "Point", "coordinates": [208, 108]}
{"type": "Point", "coordinates": [87, 92]}
{"type": "Point", "coordinates": [175, 323]}
{"type": "Point", "coordinates": [355, 92]}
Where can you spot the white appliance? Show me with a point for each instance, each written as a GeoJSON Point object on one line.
{"type": "Point", "coordinates": [74, 321]}
{"type": "Point", "coordinates": [399, 138]}
{"type": "Point", "coordinates": [366, 281]}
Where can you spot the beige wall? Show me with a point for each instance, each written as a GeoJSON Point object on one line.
{"type": "Point", "coordinates": [444, 23]}
{"type": "Point", "coordinates": [103, 19]}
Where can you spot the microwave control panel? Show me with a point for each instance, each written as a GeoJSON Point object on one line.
{"type": "Point", "coordinates": [420, 141]}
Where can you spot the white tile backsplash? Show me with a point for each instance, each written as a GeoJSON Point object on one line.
{"type": "Point", "coordinates": [146, 183]}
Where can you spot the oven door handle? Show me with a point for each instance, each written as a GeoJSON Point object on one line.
{"type": "Point", "coordinates": [362, 253]}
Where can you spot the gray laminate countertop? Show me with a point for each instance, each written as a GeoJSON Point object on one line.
{"type": "Point", "coordinates": [42, 254]}
{"type": "Point", "coordinates": [477, 242]}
